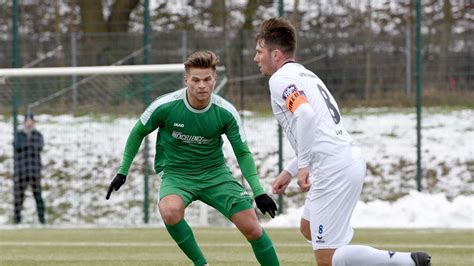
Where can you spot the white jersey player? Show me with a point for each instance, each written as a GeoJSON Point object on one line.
{"type": "Point", "coordinates": [328, 165]}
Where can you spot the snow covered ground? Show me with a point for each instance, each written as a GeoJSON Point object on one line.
{"type": "Point", "coordinates": [82, 154]}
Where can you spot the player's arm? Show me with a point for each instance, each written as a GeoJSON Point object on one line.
{"type": "Point", "coordinates": [282, 181]}
{"type": "Point", "coordinates": [305, 129]}
{"type": "Point", "coordinates": [134, 141]}
{"type": "Point", "coordinates": [142, 128]}
{"type": "Point", "coordinates": [247, 166]}
{"type": "Point", "coordinates": [236, 136]}
{"type": "Point", "coordinates": [294, 100]}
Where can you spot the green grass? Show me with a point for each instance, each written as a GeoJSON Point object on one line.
{"type": "Point", "coordinates": [222, 246]}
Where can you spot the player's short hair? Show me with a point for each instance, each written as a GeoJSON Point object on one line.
{"type": "Point", "coordinates": [201, 59]}
{"type": "Point", "coordinates": [277, 33]}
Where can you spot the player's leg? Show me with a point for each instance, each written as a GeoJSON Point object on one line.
{"type": "Point", "coordinates": [173, 201]}
{"type": "Point", "coordinates": [322, 256]}
{"type": "Point", "coordinates": [231, 199]}
{"type": "Point", "coordinates": [36, 186]}
{"type": "Point", "coordinates": [328, 208]}
{"type": "Point", "coordinates": [247, 223]}
{"type": "Point", "coordinates": [352, 255]}
{"type": "Point", "coordinates": [305, 228]}
{"type": "Point", "coordinates": [331, 210]}
{"type": "Point", "coordinates": [19, 186]}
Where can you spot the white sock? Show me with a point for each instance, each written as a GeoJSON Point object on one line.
{"type": "Point", "coordinates": [353, 255]}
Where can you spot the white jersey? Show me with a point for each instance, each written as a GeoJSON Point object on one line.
{"type": "Point", "coordinates": [331, 147]}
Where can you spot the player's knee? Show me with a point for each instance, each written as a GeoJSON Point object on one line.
{"type": "Point", "coordinates": [324, 257]}
{"type": "Point", "coordinates": [171, 212]}
{"type": "Point", "coordinates": [252, 232]}
{"type": "Point", "coordinates": [171, 215]}
{"type": "Point", "coordinates": [324, 260]}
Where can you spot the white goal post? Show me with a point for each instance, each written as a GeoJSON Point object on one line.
{"type": "Point", "coordinates": [93, 70]}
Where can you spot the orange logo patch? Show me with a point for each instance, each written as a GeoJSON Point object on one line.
{"type": "Point", "coordinates": [294, 100]}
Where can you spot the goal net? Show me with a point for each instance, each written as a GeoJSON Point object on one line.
{"type": "Point", "coordinates": [84, 115]}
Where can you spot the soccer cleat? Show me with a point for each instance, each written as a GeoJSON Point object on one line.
{"type": "Point", "coordinates": [421, 258]}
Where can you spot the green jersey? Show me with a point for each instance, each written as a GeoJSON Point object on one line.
{"type": "Point", "coordinates": [189, 141]}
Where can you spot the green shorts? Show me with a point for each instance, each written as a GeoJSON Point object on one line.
{"type": "Point", "coordinates": [217, 188]}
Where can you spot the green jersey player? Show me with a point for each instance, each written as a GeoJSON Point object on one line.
{"type": "Point", "coordinates": [190, 124]}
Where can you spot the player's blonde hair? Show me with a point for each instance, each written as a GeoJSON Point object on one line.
{"type": "Point", "coordinates": [201, 59]}
{"type": "Point", "coordinates": [277, 33]}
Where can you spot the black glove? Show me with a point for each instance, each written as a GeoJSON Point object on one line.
{"type": "Point", "coordinates": [118, 181]}
{"type": "Point", "coordinates": [266, 204]}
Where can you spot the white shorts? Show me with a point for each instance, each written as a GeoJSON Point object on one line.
{"type": "Point", "coordinates": [329, 205]}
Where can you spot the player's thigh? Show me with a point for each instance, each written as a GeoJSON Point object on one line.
{"type": "Point", "coordinates": [171, 185]}
{"type": "Point", "coordinates": [305, 228]}
{"type": "Point", "coordinates": [228, 197]}
{"type": "Point", "coordinates": [247, 223]}
{"type": "Point", "coordinates": [330, 208]}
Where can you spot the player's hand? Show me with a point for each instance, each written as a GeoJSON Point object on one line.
{"type": "Point", "coordinates": [118, 181]}
{"type": "Point", "coordinates": [303, 179]}
{"type": "Point", "coordinates": [266, 204]}
{"type": "Point", "coordinates": [281, 182]}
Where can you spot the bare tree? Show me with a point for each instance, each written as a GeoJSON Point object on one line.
{"type": "Point", "coordinates": [94, 21]}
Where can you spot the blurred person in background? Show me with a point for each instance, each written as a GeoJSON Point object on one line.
{"type": "Point", "coordinates": [28, 144]}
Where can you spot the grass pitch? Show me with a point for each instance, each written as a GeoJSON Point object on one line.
{"type": "Point", "coordinates": [221, 246]}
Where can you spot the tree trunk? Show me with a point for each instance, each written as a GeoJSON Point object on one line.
{"type": "Point", "coordinates": [102, 49]}
{"type": "Point", "coordinates": [249, 13]}
{"type": "Point", "coordinates": [120, 15]}
{"type": "Point", "coordinates": [444, 44]}
{"type": "Point", "coordinates": [92, 18]}
{"type": "Point", "coordinates": [295, 17]}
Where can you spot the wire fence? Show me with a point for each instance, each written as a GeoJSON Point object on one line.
{"type": "Point", "coordinates": [82, 152]}
{"type": "Point", "coordinates": [375, 73]}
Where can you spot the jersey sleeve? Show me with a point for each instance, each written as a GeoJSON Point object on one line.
{"type": "Point", "coordinates": [287, 93]}
{"type": "Point", "coordinates": [236, 135]}
{"type": "Point", "coordinates": [148, 122]}
{"type": "Point", "coordinates": [292, 167]}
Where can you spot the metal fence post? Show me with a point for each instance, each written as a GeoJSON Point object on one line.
{"type": "Point", "coordinates": [408, 56]}
{"type": "Point", "coordinates": [419, 94]}
{"type": "Point", "coordinates": [74, 64]}
{"type": "Point", "coordinates": [146, 102]}
{"type": "Point", "coordinates": [15, 63]}
{"type": "Point", "coordinates": [280, 133]}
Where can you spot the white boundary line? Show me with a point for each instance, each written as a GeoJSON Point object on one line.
{"type": "Point", "coordinates": [235, 245]}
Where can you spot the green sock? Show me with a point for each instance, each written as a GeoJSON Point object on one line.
{"type": "Point", "coordinates": [264, 250]}
{"type": "Point", "coordinates": [184, 237]}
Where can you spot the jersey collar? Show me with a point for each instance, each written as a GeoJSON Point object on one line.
{"type": "Point", "coordinates": [192, 109]}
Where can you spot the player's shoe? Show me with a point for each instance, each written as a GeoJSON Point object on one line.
{"type": "Point", "coordinates": [421, 258]}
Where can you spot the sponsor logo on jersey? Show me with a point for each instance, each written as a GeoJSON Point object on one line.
{"type": "Point", "coordinates": [244, 193]}
{"type": "Point", "coordinates": [190, 138]}
{"type": "Point", "coordinates": [178, 125]}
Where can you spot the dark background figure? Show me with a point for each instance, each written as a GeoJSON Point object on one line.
{"type": "Point", "coordinates": [28, 144]}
